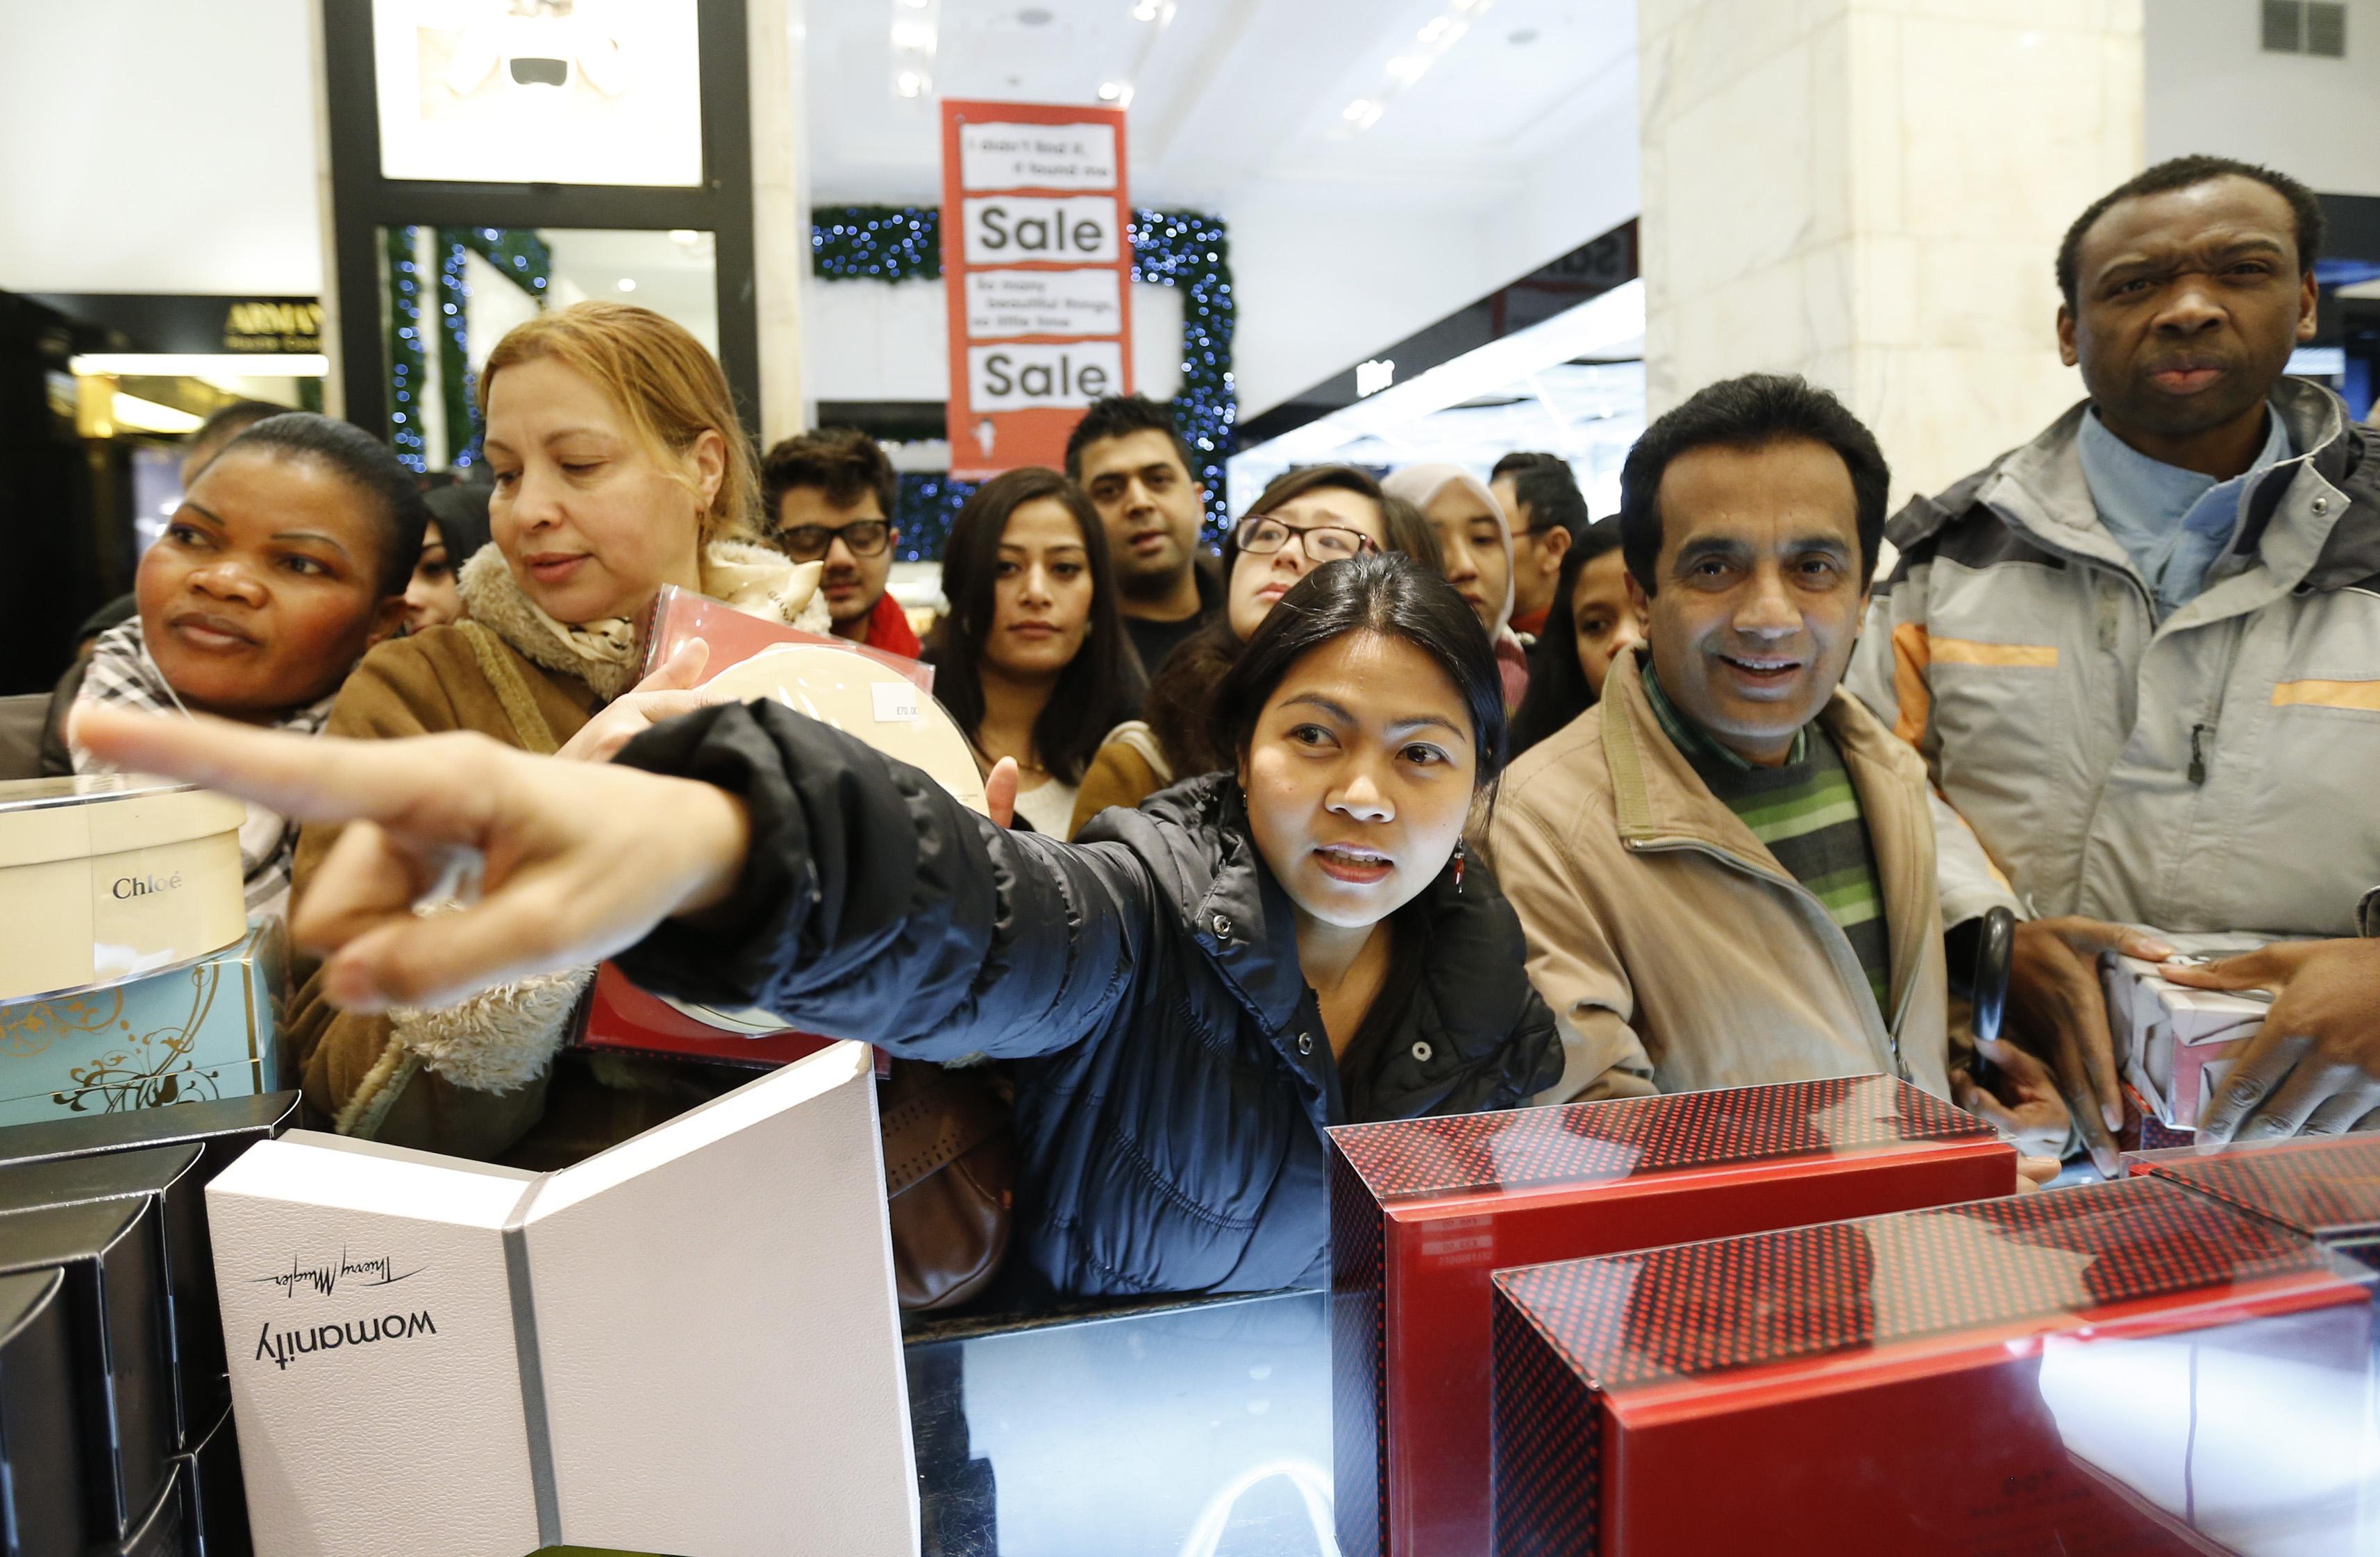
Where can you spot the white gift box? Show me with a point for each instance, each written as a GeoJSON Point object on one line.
{"type": "Point", "coordinates": [688, 1343]}
{"type": "Point", "coordinates": [2175, 1043]}
{"type": "Point", "coordinates": [104, 878]}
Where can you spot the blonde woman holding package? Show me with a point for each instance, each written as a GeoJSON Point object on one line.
{"type": "Point", "coordinates": [1475, 537]}
{"type": "Point", "coordinates": [619, 467]}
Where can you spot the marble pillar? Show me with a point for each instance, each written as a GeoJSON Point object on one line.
{"type": "Point", "coordinates": [1871, 193]}
{"type": "Point", "coordinates": [780, 210]}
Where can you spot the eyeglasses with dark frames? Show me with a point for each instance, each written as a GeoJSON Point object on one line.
{"type": "Point", "coordinates": [1261, 534]}
{"type": "Point", "coordinates": [807, 543]}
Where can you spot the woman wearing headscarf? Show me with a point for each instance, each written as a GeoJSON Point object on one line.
{"type": "Point", "coordinates": [1476, 540]}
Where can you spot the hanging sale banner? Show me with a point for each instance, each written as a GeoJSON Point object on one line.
{"type": "Point", "coordinates": [1037, 271]}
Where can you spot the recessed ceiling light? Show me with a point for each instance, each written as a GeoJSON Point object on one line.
{"type": "Point", "coordinates": [917, 37]}
{"type": "Point", "coordinates": [1033, 16]}
{"type": "Point", "coordinates": [1110, 90]}
{"type": "Point", "coordinates": [1357, 109]}
{"type": "Point", "coordinates": [909, 84]}
{"type": "Point", "coordinates": [1523, 36]}
{"type": "Point", "coordinates": [627, 283]}
{"type": "Point", "coordinates": [1147, 10]}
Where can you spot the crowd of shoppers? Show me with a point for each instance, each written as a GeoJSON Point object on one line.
{"type": "Point", "coordinates": [1763, 784]}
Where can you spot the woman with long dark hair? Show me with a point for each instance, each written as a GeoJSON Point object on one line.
{"type": "Point", "coordinates": [1032, 659]}
{"type": "Point", "coordinates": [1593, 622]}
{"type": "Point", "coordinates": [1302, 521]}
{"type": "Point", "coordinates": [1191, 994]}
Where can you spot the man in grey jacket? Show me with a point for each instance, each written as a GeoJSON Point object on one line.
{"type": "Point", "coordinates": [2141, 654]}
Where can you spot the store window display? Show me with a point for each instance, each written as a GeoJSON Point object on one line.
{"type": "Point", "coordinates": [1191, 996]}
{"type": "Point", "coordinates": [1300, 522]}
{"type": "Point", "coordinates": [2136, 653]}
{"type": "Point", "coordinates": [286, 560]}
{"type": "Point", "coordinates": [618, 467]}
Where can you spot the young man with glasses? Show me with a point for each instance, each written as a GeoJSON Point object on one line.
{"type": "Point", "coordinates": [829, 497]}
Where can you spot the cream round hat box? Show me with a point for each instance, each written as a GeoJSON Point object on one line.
{"type": "Point", "coordinates": [864, 698]}
{"type": "Point", "coordinates": [104, 877]}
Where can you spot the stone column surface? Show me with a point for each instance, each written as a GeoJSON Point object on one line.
{"type": "Point", "coordinates": [1871, 193]}
{"type": "Point", "coordinates": [781, 206]}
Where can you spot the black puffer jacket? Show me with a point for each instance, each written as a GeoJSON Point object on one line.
{"type": "Point", "coordinates": [1175, 1077]}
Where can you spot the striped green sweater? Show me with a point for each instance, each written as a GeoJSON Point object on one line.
{"type": "Point", "coordinates": [1808, 815]}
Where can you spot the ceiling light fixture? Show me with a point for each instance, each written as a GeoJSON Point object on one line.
{"type": "Point", "coordinates": [909, 83]}
{"type": "Point", "coordinates": [1147, 10]}
{"type": "Point", "coordinates": [199, 365]}
{"type": "Point", "coordinates": [914, 37]}
{"type": "Point", "coordinates": [685, 236]}
{"type": "Point", "coordinates": [1435, 36]}
{"type": "Point", "coordinates": [1110, 90]}
{"type": "Point", "coordinates": [627, 283]}
{"type": "Point", "coordinates": [136, 414]}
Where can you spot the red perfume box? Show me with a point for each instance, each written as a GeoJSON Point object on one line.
{"type": "Point", "coordinates": [1424, 1210]}
{"type": "Point", "coordinates": [2326, 1188]}
{"type": "Point", "coordinates": [2123, 1368]}
{"type": "Point", "coordinates": [678, 615]}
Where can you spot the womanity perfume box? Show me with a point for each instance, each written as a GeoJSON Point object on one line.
{"type": "Point", "coordinates": [688, 1343]}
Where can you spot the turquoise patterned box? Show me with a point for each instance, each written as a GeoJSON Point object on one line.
{"type": "Point", "coordinates": [201, 1030]}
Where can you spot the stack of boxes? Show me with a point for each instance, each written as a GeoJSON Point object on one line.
{"type": "Point", "coordinates": [116, 1431]}
{"type": "Point", "coordinates": [129, 979]}
{"type": "Point", "coordinates": [1424, 1212]}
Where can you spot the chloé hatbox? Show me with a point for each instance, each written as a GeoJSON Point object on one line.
{"type": "Point", "coordinates": [1425, 1211]}
{"type": "Point", "coordinates": [2125, 1367]}
{"type": "Point", "coordinates": [205, 1029]}
{"type": "Point", "coordinates": [104, 877]}
{"type": "Point", "coordinates": [2176, 1043]}
{"type": "Point", "coordinates": [686, 1342]}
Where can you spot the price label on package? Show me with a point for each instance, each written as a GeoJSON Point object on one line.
{"type": "Point", "coordinates": [896, 702]}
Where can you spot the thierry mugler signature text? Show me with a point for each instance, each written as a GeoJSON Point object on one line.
{"type": "Point", "coordinates": [291, 1345]}
{"type": "Point", "coordinates": [325, 1278]}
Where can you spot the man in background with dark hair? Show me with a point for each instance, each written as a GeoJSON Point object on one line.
{"type": "Point", "coordinates": [1129, 459]}
{"type": "Point", "coordinates": [1547, 512]}
{"type": "Point", "coordinates": [829, 496]}
{"type": "Point", "coordinates": [2141, 654]}
{"type": "Point", "coordinates": [225, 423]}
{"type": "Point", "coordinates": [1725, 869]}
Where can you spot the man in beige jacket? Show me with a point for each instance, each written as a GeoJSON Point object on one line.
{"type": "Point", "coordinates": [1726, 868]}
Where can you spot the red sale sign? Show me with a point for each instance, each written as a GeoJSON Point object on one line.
{"type": "Point", "coordinates": [1037, 273]}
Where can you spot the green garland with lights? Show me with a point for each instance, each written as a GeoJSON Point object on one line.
{"type": "Point", "coordinates": [1181, 249]}
{"type": "Point", "coordinates": [520, 257]}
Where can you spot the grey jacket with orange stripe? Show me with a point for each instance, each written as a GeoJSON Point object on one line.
{"type": "Point", "coordinates": [2216, 769]}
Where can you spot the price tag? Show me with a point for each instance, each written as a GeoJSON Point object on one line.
{"type": "Point", "coordinates": [896, 702]}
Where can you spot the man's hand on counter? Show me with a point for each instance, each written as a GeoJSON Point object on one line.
{"type": "Point", "coordinates": [2056, 1008]}
{"type": "Point", "coordinates": [575, 860]}
{"type": "Point", "coordinates": [2314, 1067]}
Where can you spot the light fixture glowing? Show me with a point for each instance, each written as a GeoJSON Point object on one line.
{"type": "Point", "coordinates": [1110, 90]}
{"type": "Point", "coordinates": [1435, 29]}
{"type": "Point", "coordinates": [914, 37]}
{"type": "Point", "coordinates": [627, 283]}
{"type": "Point", "coordinates": [685, 236]}
{"type": "Point", "coordinates": [1354, 112]}
{"type": "Point", "coordinates": [199, 365]}
{"type": "Point", "coordinates": [1374, 376]}
{"type": "Point", "coordinates": [1406, 69]}
{"type": "Point", "coordinates": [133, 413]}
{"type": "Point", "coordinates": [1147, 10]}
{"type": "Point", "coordinates": [909, 84]}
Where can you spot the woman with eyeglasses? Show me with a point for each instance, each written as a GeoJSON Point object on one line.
{"type": "Point", "coordinates": [1303, 520]}
{"type": "Point", "coordinates": [1032, 660]}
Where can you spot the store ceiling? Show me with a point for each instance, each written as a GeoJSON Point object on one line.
{"type": "Point", "coordinates": [1229, 93]}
